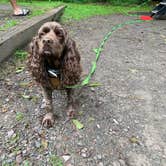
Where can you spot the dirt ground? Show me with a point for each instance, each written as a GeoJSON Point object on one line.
{"type": "Point", "coordinates": [124, 119]}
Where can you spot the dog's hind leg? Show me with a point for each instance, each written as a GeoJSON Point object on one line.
{"type": "Point", "coordinates": [48, 119]}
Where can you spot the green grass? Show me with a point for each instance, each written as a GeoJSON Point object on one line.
{"type": "Point", "coordinates": [55, 161]}
{"type": "Point", "coordinates": [20, 54]}
{"type": "Point", "coordinates": [8, 24]}
{"type": "Point", "coordinates": [76, 11]}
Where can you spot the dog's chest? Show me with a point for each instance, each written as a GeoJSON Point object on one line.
{"type": "Point", "coordinates": [55, 82]}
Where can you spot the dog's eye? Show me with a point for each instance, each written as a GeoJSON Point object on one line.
{"type": "Point", "coordinates": [41, 34]}
{"type": "Point", "coordinates": [46, 30]}
{"type": "Point", "coordinates": [59, 33]}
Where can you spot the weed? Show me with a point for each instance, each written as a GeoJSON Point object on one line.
{"type": "Point", "coordinates": [55, 160]}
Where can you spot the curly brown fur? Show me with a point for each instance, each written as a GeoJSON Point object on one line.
{"type": "Point", "coordinates": [52, 46]}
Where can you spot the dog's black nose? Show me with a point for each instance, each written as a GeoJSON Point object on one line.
{"type": "Point", "coordinates": [47, 41]}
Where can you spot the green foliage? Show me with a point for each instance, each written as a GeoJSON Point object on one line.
{"type": "Point", "coordinates": [8, 24]}
{"type": "Point", "coordinates": [55, 160]}
{"type": "Point", "coordinates": [19, 116]}
{"type": "Point", "coordinates": [113, 2]}
{"type": "Point", "coordinates": [126, 2]}
{"type": "Point", "coordinates": [20, 54]}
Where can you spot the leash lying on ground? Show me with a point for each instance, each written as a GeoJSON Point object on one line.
{"type": "Point", "coordinates": [98, 50]}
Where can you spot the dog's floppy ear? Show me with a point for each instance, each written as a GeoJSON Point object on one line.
{"type": "Point", "coordinates": [71, 68]}
{"type": "Point", "coordinates": [35, 62]}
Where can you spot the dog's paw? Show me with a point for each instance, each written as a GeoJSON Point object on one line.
{"type": "Point", "coordinates": [48, 120]}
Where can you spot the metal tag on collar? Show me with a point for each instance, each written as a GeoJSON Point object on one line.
{"type": "Point", "coordinates": [53, 73]}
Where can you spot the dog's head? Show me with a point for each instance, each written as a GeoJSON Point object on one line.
{"type": "Point", "coordinates": [52, 38]}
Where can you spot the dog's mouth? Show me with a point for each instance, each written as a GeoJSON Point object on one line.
{"type": "Point", "coordinates": [47, 52]}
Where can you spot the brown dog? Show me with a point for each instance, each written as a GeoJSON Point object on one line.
{"type": "Point", "coordinates": [54, 62]}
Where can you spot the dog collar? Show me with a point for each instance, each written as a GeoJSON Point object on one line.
{"type": "Point", "coordinates": [52, 72]}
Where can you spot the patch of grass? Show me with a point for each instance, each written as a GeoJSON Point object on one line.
{"type": "Point", "coordinates": [8, 24]}
{"type": "Point", "coordinates": [14, 138]}
{"type": "Point", "coordinates": [76, 11]}
{"type": "Point", "coordinates": [55, 161]}
{"type": "Point", "coordinates": [5, 163]}
{"type": "Point", "coordinates": [20, 54]}
{"type": "Point", "coordinates": [19, 116]}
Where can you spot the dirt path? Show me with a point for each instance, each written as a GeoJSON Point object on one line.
{"type": "Point", "coordinates": [124, 118]}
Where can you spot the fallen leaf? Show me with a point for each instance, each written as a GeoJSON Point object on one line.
{"type": "Point", "coordinates": [19, 69]}
{"type": "Point", "coordinates": [91, 119]}
{"type": "Point", "coordinates": [44, 143]}
{"type": "Point", "coordinates": [80, 113]}
{"type": "Point", "coordinates": [24, 84]}
{"type": "Point", "coordinates": [26, 96]}
{"type": "Point", "coordinates": [133, 139]}
{"type": "Point", "coordinates": [133, 71]}
{"type": "Point", "coordinates": [78, 124]}
{"type": "Point", "coordinates": [4, 109]}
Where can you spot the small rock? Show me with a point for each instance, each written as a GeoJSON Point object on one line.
{"type": "Point", "coordinates": [119, 163]}
{"type": "Point", "coordinates": [115, 121]}
{"type": "Point", "coordinates": [9, 160]}
{"type": "Point", "coordinates": [69, 164]}
{"type": "Point", "coordinates": [37, 144]}
{"type": "Point", "coordinates": [99, 157]}
{"type": "Point", "coordinates": [66, 157]}
{"type": "Point", "coordinates": [85, 153]}
{"type": "Point", "coordinates": [83, 105]}
{"type": "Point", "coordinates": [80, 144]}
{"type": "Point", "coordinates": [92, 89]}
{"type": "Point", "coordinates": [100, 164]}
{"type": "Point", "coordinates": [98, 126]}
{"type": "Point", "coordinates": [24, 142]}
{"type": "Point", "coordinates": [7, 99]}
{"type": "Point", "coordinates": [19, 159]}
{"type": "Point", "coordinates": [24, 152]}
{"type": "Point", "coordinates": [10, 133]}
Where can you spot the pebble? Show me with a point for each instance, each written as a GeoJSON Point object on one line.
{"type": "Point", "coordinates": [19, 159]}
{"type": "Point", "coordinates": [99, 157]}
{"type": "Point", "coordinates": [24, 152]}
{"type": "Point", "coordinates": [100, 164]}
{"type": "Point", "coordinates": [115, 121]}
{"type": "Point", "coordinates": [37, 144]}
{"type": "Point", "coordinates": [24, 142]}
{"type": "Point", "coordinates": [80, 144]}
{"type": "Point", "coordinates": [98, 126]}
{"type": "Point", "coordinates": [66, 157]}
{"type": "Point", "coordinates": [85, 153]}
{"type": "Point", "coordinates": [10, 133]}
{"type": "Point", "coordinates": [92, 89]}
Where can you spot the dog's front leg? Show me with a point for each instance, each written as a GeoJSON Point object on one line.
{"type": "Point", "coordinates": [70, 103]}
{"type": "Point", "coordinates": [48, 119]}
